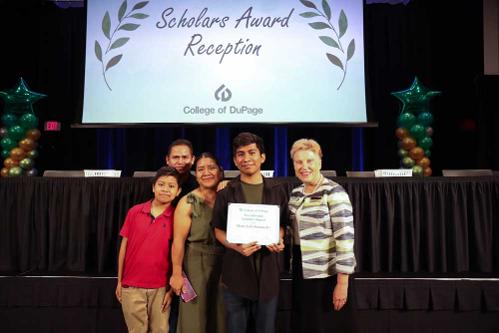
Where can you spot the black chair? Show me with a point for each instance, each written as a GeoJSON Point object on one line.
{"type": "Point", "coordinates": [329, 173]}
{"type": "Point", "coordinates": [144, 174]}
{"type": "Point", "coordinates": [467, 172]}
{"type": "Point", "coordinates": [228, 174]}
{"type": "Point", "coordinates": [63, 173]}
{"type": "Point", "coordinates": [360, 174]}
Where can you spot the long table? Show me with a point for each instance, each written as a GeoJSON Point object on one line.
{"type": "Point", "coordinates": [410, 233]}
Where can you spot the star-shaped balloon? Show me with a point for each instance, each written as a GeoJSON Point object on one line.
{"type": "Point", "coordinates": [416, 99]}
{"type": "Point", "coordinates": [20, 99]}
{"type": "Point", "coordinates": [415, 131]}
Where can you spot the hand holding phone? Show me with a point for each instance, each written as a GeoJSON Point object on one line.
{"type": "Point", "coordinates": [188, 292]}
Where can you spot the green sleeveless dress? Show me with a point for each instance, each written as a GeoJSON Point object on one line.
{"type": "Point", "coordinates": [203, 266]}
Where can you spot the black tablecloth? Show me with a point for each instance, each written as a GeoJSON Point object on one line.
{"type": "Point", "coordinates": [88, 304]}
{"type": "Point", "coordinates": [427, 225]}
{"type": "Point", "coordinates": [432, 227]}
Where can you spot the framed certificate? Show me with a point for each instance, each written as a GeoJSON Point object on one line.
{"type": "Point", "coordinates": [248, 223]}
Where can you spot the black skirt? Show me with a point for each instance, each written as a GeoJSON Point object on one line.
{"type": "Point", "coordinates": [313, 309]}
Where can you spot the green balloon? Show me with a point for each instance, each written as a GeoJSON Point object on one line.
{"type": "Point", "coordinates": [417, 171]}
{"type": "Point", "coordinates": [408, 162]}
{"type": "Point", "coordinates": [20, 99]}
{"type": "Point", "coordinates": [418, 131]}
{"type": "Point", "coordinates": [16, 132]}
{"type": "Point", "coordinates": [406, 120]}
{"type": "Point", "coordinates": [31, 173]}
{"type": "Point", "coordinates": [403, 152]}
{"type": "Point", "coordinates": [9, 119]}
{"type": "Point", "coordinates": [416, 98]}
{"type": "Point", "coordinates": [427, 153]}
{"type": "Point", "coordinates": [32, 153]}
{"type": "Point", "coordinates": [26, 163]}
{"type": "Point", "coordinates": [418, 108]}
{"type": "Point", "coordinates": [5, 154]}
{"type": "Point", "coordinates": [426, 143]}
{"type": "Point", "coordinates": [8, 143]}
{"type": "Point", "coordinates": [28, 121]}
{"type": "Point", "coordinates": [413, 107]}
{"type": "Point", "coordinates": [15, 171]}
{"type": "Point", "coordinates": [425, 118]}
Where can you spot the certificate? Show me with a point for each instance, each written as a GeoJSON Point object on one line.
{"type": "Point", "coordinates": [248, 223]}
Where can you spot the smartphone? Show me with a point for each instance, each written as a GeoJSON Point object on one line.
{"type": "Point", "coordinates": [188, 292]}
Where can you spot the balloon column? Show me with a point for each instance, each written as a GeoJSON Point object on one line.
{"type": "Point", "coordinates": [18, 131]}
{"type": "Point", "coordinates": [414, 128]}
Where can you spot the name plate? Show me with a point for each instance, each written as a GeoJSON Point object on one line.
{"type": "Point", "coordinates": [235, 173]}
{"type": "Point", "coordinates": [393, 173]}
{"type": "Point", "coordinates": [102, 173]}
{"type": "Point", "coordinates": [248, 223]}
{"type": "Point", "coordinates": [267, 173]}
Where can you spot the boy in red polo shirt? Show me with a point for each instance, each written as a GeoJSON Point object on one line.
{"type": "Point", "coordinates": [144, 261]}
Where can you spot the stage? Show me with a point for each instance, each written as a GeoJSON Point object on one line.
{"type": "Point", "coordinates": [426, 251]}
{"type": "Point", "coordinates": [87, 304]}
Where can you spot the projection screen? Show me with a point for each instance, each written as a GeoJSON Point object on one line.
{"type": "Point", "coordinates": [224, 62]}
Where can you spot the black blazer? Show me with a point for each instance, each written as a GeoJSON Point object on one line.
{"type": "Point", "coordinates": [238, 271]}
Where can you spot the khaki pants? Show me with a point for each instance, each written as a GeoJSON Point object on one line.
{"type": "Point", "coordinates": [142, 310]}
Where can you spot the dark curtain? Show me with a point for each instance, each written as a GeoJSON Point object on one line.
{"type": "Point", "coordinates": [414, 306]}
{"type": "Point", "coordinates": [88, 305]}
{"type": "Point", "coordinates": [488, 122]}
{"type": "Point", "coordinates": [427, 226]}
{"type": "Point", "coordinates": [442, 44]}
{"type": "Point", "coordinates": [437, 225]}
{"type": "Point", "coordinates": [59, 305]}
{"type": "Point", "coordinates": [65, 225]}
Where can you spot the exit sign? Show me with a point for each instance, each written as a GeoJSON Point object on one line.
{"type": "Point", "coordinates": [53, 126]}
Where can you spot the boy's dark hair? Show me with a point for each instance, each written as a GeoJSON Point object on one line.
{"type": "Point", "coordinates": [247, 138]}
{"type": "Point", "coordinates": [166, 171]}
{"type": "Point", "coordinates": [180, 142]}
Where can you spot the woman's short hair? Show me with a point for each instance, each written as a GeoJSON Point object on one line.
{"type": "Point", "coordinates": [306, 144]}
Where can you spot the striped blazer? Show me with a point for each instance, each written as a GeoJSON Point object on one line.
{"type": "Point", "coordinates": [325, 225]}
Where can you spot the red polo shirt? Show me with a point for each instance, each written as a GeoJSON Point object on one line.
{"type": "Point", "coordinates": [148, 259]}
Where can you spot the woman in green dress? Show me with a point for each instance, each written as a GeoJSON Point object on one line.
{"type": "Point", "coordinates": [196, 251]}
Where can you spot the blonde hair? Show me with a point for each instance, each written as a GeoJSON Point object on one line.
{"type": "Point", "coordinates": [306, 144]}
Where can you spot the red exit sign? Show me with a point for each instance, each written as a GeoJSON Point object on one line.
{"type": "Point", "coordinates": [52, 126]}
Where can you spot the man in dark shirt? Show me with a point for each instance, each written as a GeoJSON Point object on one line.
{"type": "Point", "coordinates": [250, 273]}
{"type": "Point", "coordinates": [181, 157]}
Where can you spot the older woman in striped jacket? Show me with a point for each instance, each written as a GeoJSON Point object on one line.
{"type": "Point", "coordinates": [323, 239]}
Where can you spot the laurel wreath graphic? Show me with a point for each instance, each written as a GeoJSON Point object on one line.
{"type": "Point", "coordinates": [334, 40]}
{"type": "Point", "coordinates": [113, 43]}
